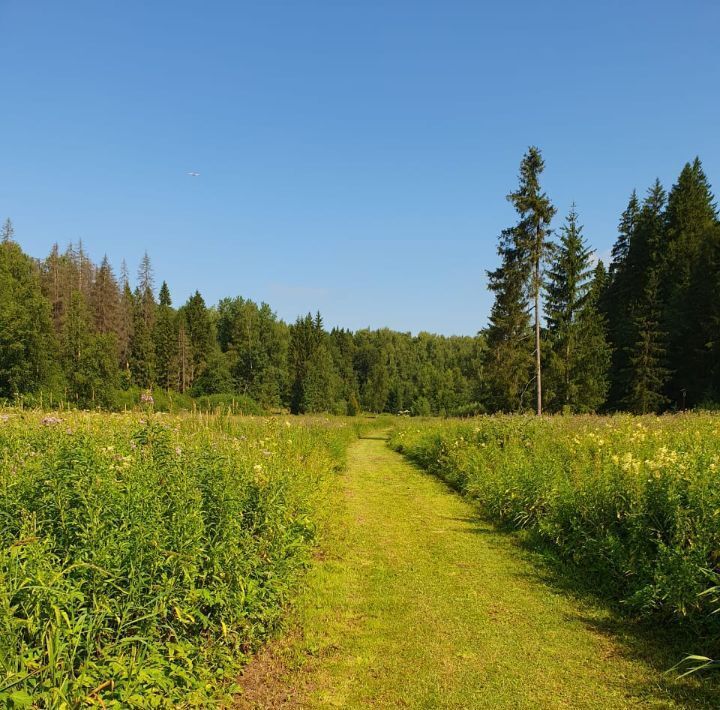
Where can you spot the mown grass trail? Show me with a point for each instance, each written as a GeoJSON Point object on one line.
{"type": "Point", "coordinates": [418, 604]}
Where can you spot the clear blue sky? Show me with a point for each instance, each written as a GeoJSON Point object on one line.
{"type": "Point", "coordinates": [354, 156]}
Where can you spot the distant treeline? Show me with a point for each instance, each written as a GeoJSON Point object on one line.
{"type": "Point", "coordinates": [643, 335]}
{"type": "Point", "coordinates": [72, 332]}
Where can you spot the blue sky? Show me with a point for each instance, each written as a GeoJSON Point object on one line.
{"type": "Point", "coordinates": [354, 156]}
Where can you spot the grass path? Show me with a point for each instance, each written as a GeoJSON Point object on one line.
{"type": "Point", "coordinates": [418, 604]}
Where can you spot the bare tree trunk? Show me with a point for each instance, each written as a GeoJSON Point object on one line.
{"type": "Point", "coordinates": [538, 365]}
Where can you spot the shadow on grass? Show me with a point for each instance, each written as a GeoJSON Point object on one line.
{"type": "Point", "coordinates": [660, 644]}
{"type": "Point", "coordinates": [374, 438]}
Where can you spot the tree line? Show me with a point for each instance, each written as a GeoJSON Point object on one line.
{"type": "Point", "coordinates": [564, 333]}
{"type": "Point", "coordinates": [72, 331]}
{"type": "Point", "coordinates": [641, 336]}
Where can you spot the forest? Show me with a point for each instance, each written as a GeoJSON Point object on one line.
{"type": "Point", "coordinates": [639, 335]}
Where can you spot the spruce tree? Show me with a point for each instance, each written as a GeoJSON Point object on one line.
{"type": "Point", "coordinates": [166, 341]}
{"type": "Point", "coordinates": [106, 300]}
{"type": "Point", "coordinates": [145, 292]}
{"type": "Point", "coordinates": [616, 301]}
{"type": "Point", "coordinates": [574, 328]}
{"type": "Point", "coordinates": [142, 347]}
{"type": "Point", "coordinates": [647, 354]}
{"type": "Point", "coordinates": [687, 289]}
{"type": "Point", "coordinates": [125, 325]}
{"type": "Point", "coordinates": [645, 374]}
{"type": "Point", "coordinates": [532, 232]}
{"type": "Point", "coordinates": [199, 332]}
{"type": "Point", "coordinates": [509, 353]}
{"type": "Point", "coordinates": [7, 233]}
{"type": "Point", "coordinates": [594, 353]}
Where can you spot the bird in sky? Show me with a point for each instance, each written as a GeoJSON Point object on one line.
{"type": "Point", "coordinates": [192, 173]}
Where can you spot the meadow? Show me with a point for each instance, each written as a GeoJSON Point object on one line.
{"type": "Point", "coordinates": [144, 557]}
{"type": "Point", "coordinates": [631, 504]}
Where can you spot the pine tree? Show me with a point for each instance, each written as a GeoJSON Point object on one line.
{"type": "Point", "coordinates": [199, 332]}
{"type": "Point", "coordinates": [7, 233]}
{"type": "Point", "coordinates": [687, 290]}
{"type": "Point", "coordinates": [142, 347]}
{"type": "Point", "coordinates": [166, 341]}
{"type": "Point", "coordinates": [536, 212]}
{"type": "Point", "coordinates": [145, 289]}
{"type": "Point", "coordinates": [648, 373]}
{"type": "Point", "coordinates": [89, 359]}
{"type": "Point", "coordinates": [616, 302]}
{"type": "Point", "coordinates": [106, 300]}
{"type": "Point", "coordinates": [509, 354]}
{"type": "Point", "coordinates": [644, 376]}
{"type": "Point", "coordinates": [574, 330]}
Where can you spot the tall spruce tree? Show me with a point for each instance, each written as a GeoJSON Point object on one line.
{"type": "Point", "coordinates": [142, 347]}
{"type": "Point", "coordinates": [199, 332]}
{"type": "Point", "coordinates": [508, 367]}
{"type": "Point", "coordinates": [106, 300]}
{"type": "Point", "coordinates": [532, 232]}
{"type": "Point", "coordinates": [687, 287]}
{"type": "Point", "coordinates": [145, 292]}
{"type": "Point", "coordinates": [523, 250]}
{"type": "Point", "coordinates": [615, 302]}
{"type": "Point", "coordinates": [166, 341]}
{"type": "Point", "coordinates": [647, 355]}
{"type": "Point", "coordinates": [578, 350]}
{"type": "Point", "coordinates": [645, 374]}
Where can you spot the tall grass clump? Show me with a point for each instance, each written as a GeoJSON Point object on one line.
{"type": "Point", "coordinates": [632, 503]}
{"type": "Point", "coordinates": [142, 559]}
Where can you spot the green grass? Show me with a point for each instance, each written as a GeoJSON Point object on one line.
{"type": "Point", "coordinates": [416, 603]}
{"type": "Point", "coordinates": [143, 558]}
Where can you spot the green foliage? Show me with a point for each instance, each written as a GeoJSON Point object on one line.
{"type": "Point", "coordinates": [166, 342]}
{"type": "Point", "coordinates": [579, 354]}
{"type": "Point", "coordinates": [255, 344]}
{"type": "Point", "coordinates": [632, 502]}
{"type": "Point", "coordinates": [654, 316]}
{"type": "Point", "coordinates": [510, 357]}
{"type": "Point", "coordinates": [689, 287]}
{"type": "Point", "coordinates": [141, 560]}
{"type": "Point", "coordinates": [27, 345]}
{"type": "Point", "coordinates": [198, 327]}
